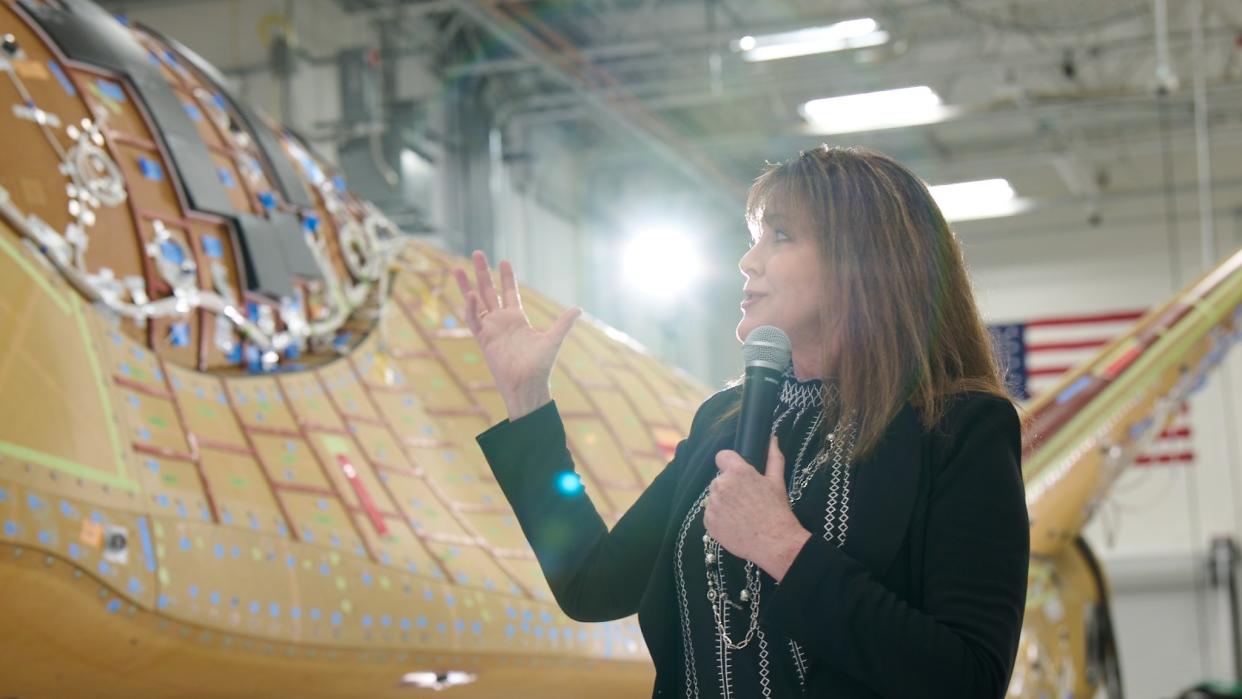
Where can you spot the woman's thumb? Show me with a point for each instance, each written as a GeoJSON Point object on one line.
{"type": "Point", "coordinates": [775, 468]}
{"type": "Point", "coordinates": [563, 324]}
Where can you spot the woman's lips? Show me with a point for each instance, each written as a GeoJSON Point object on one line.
{"type": "Point", "coordinates": [751, 299]}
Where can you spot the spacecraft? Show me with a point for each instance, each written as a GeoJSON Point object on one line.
{"type": "Point", "coordinates": [238, 408]}
{"type": "Point", "coordinates": [237, 454]}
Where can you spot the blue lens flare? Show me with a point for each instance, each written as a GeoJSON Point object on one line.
{"type": "Point", "coordinates": [569, 483]}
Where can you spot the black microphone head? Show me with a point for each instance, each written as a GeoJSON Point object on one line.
{"type": "Point", "coordinates": [767, 346]}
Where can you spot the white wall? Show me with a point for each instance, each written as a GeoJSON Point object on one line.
{"type": "Point", "coordinates": [544, 245]}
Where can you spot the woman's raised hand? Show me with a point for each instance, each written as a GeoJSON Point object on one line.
{"type": "Point", "coordinates": [519, 357]}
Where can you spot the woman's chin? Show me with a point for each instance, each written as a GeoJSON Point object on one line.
{"type": "Point", "coordinates": [745, 326]}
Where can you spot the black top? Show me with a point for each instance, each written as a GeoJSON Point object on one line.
{"type": "Point", "coordinates": [923, 599]}
{"type": "Point", "coordinates": [767, 663]}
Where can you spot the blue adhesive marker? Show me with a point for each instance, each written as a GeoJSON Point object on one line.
{"type": "Point", "coordinates": [110, 90]}
{"type": "Point", "coordinates": [150, 169]}
{"type": "Point", "coordinates": [62, 78]}
{"type": "Point", "coordinates": [179, 334]}
{"type": "Point", "coordinates": [172, 251]}
{"type": "Point", "coordinates": [212, 247]}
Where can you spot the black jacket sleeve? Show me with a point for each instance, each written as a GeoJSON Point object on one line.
{"type": "Point", "coordinates": [595, 574]}
{"type": "Point", "coordinates": [963, 640]}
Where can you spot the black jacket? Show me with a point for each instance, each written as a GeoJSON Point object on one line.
{"type": "Point", "coordinates": [925, 599]}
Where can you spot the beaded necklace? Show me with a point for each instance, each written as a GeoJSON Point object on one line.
{"type": "Point", "coordinates": [795, 400]}
{"type": "Point", "coordinates": [749, 595]}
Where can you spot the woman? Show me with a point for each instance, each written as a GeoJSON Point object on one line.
{"type": "Point", "coordinates": [883, 553]}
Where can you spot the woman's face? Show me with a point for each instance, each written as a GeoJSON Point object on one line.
{"type": "Point", "coordinates": [783, 280]}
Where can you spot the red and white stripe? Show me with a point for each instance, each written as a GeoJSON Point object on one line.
{"type": "Point", "coordinates": [1055, 345]}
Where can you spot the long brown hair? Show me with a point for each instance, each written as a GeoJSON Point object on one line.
{"type": "Point", "coordinates": [895, 296]}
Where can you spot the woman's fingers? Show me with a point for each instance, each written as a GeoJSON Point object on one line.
{"type": "Point", "coordinates": [482, 300]}
{"type": "Point", "coordinates": [472, 313]}
{"type": "Point", "coordinates": [508, 286]}
{"type": "Point", "coordinates": [472, 300]}
{"type": "Point", "coordinates": [487, 291]}
{"type": "Point", "coordinates": [463, 281]}
{"type": "Point", "coordinates": [510, 296]}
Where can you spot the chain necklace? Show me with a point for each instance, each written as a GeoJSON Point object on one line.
{"type": "Point", "coordinates": [712, 553]}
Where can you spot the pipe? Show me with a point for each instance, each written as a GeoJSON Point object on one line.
{"type": "Point", "coordinates": [1203, 153]}
{"type": "Point", "coordinates": [1130, 48]}
{"type": "Point", "coordinates": [1166, 79]}
{"type": "Point", "coordinates": [659, 46]}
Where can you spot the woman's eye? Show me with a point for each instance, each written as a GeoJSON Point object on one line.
{"type": "Point", "coordinates": [780, 235]}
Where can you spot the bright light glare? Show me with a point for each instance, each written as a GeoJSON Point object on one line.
{"type": "Point", "coordinates": [660, 262]}
{"type": "Point", "coordinates": [967, 201]}
{"type": "Point", "coordinates": [850, 34]}
{"type": "Point", "coordinates": [437, 680]}
{"type": "Point", "coordinates": [869, 111]}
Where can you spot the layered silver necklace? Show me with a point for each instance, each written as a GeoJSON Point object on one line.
{"type": "Point", "coordinates": [795, 400]}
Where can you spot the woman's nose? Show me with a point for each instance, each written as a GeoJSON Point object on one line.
{"type": "Point", "coordinates": [749, 263]}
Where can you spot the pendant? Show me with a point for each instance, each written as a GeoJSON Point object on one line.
{"type": "Point", "coordinates": [744, 596]}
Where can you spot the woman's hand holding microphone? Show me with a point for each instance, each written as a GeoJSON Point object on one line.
{"type": "Point", "coordinates": [520, 357]}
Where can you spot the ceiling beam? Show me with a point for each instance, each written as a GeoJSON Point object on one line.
{"type": "Point", "coordinates": [1131, 141]}
{"type": "Point", "coordinates": [1127, 110]}
{"type": "Point", "coordinates": [813, 77]}
{"type": "Point", "coordinates": [697, 44]}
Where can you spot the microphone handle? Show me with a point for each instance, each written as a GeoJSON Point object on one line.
{"type": "Point", "coordinates": [760, 392]}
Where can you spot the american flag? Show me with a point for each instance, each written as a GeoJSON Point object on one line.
{"type": "Point", "coordinates": [1037, 352]}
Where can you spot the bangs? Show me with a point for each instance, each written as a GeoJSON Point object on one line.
{"type": "Point", "coordinates": [783, 189]}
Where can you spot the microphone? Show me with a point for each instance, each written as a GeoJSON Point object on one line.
{"type": "Point", "coordinates": [766, 354]}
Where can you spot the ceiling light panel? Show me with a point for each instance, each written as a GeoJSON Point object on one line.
{"type": "Point", "coordinates": [841, 36]}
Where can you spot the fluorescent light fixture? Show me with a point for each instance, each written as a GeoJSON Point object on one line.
{"type": "Point", "coordinates": [871, 111]}
{"type": "Point", "coordinates": [850, 34]}
{"type": "Point", "coordinates": [436, 680]}
{"type": "Point", "coordinates": [968, 201]}
{"type": "Point", "coordinates": [660, 262]}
